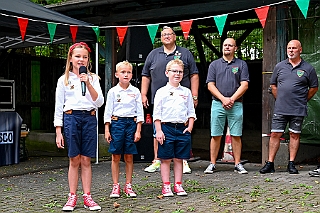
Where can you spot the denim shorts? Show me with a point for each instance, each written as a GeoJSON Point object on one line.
{"type": "Point", "coordinates": [122, 133]}
{"type": "Point", "coordinates": [176, 144]}
{"type": "Point", "coordinates": [219, 115]}
{"type": "Point", "coordinates": [80, 133]}
{"type": "Point", "coordinates": [279, 123]}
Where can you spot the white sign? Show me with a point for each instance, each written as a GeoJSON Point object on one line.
{"type": "Point", "coordinates": [6, 137]}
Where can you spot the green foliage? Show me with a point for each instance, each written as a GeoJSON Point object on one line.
{"type": "Point", "coordinates": [46, 2]}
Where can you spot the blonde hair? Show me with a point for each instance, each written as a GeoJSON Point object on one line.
{"type": "Point", "coordinates": [123, 63]}
{"type": "Point", "coordinates": [69, 67]}
{"type": "Point", "coordinates": [174, 61]}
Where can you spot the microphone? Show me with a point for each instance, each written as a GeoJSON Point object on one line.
{"type": "Point", "coordinates": [83, 69]}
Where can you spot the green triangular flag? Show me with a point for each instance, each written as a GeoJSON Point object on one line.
{"type": "Point", "coordinates": [152, 29]}
{"type": "Point", "coordinates": [52, 30]}
{"type": "Point", "coordinates": [97, 31]}
{"type": "Point", "coordinates": [303, 6]}
{"type": "Point", "coordinates": [220, 22]}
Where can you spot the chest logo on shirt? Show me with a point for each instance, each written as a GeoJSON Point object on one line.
{"type": "Point", "coordinates": [72, 87]}
{"type": "Point", "coordinates": [184, 96]}
{"type": "Point", "coordinates": [234, 70]}
{"type": "Point", "coordinates": [177, 55]}
{"type": "Point", "coordinates": [300, 73]}
{"type": "Point", "coordinates": [132, 95]}
{"type": "Point", "coordinates": [171, 93]}
{"type": "Point", "coordinates": [118, 98]}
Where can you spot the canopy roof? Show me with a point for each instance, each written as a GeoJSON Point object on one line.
{"type": "Point", "coordinates": [37, 32]}
{"type": "Point", "coordinates": [120, 12]}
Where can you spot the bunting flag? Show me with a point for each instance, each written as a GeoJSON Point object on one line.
{"type": "Point", "coordinates": [97, 31]}
{"type": "Point", "coordinates": [52, 30]}
{"type": "Point", "coordinates": [185, 27]}
{"type": "Point", "coordinates": [23, 23]}
{"type": "Point", "coordinates": [303, 6]}
{"type": "Point", "coordinates": [74, 30]}
{"type": "Point", "coordinates": [152, 29]}
{"type": "Point", "coordinates": [220, 22]}
{"type": "Point", "coordinates": [262, 13]}
{"type": "Point", "coordinates": [121, 33]}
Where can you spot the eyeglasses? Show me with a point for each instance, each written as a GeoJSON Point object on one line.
{"type": "Point", "coordinates": [167, 34]}
{"type": "Point", "coordinates": [229, 45]}
{"type": "Point", "coordinates": [179, 72]}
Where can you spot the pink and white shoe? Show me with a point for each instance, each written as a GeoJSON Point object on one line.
{"type": "Point", "coordinates": [166, 190]}
{"type": "Point", "coordinates": [89, 203]}
{"type": "Point", "coordinates": [128, 190]}
{"type": "Point", "coordinates": [71, 203]}
{"type": "Point", "coordinates": [179, 190]}
{"type": "Point", "coordinates": [115, 191]}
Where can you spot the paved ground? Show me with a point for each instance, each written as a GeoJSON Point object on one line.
{"type": "Point", "coordinates": [41, 185]}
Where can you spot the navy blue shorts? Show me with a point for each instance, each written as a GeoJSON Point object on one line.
{"type": "Point", "coordinates": [80, 133]}
{"type": "Point", "coordinates": [122, 133]}
{"type": "Point", "coordinates": [176, 144]}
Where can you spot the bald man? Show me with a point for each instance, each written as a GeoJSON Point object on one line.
{"type": "Point", "coordinates": [293, 83]}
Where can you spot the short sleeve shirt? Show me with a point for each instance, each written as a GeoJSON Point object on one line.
{"type": "Point", "coordinates": [173, 104]}
{"type": "Point", "coordinates": [155, 66]}
{"type": "Point", "coordinates": [227, 76]}
{"type": "Point", "coordinates": [293, 85]}
{"type": "Point", "coordinates": [123, 103]}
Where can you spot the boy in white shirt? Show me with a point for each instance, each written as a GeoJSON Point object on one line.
{"type": "Point", "coordinates": [174, 116]}
{"type": "Point", "coordinates": [123, 118]}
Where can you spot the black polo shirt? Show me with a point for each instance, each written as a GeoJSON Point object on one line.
{"type": "Point", "coordinates": [293, 85]}
{"type": "Point", "coordinates": [227, 76]}
{"type": "Point", "coordinates": [155, 66]}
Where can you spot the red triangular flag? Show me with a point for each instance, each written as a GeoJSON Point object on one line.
{"type": "Point", "coordinates": [121, 33]}
{"type": "Point", "coordinates": [185, 26]}
{"type": "Point", "coordinates": [74, 30]}
{"type": "Point", "coordinates": [23, 23]}
{"type": "Point", "coordinates": [262, 13]}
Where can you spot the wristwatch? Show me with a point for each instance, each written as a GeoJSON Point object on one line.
{"type": "Point", "coordinates": [195, 98]}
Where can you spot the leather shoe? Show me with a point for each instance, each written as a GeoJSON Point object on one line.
{"type": "Point", "coordinates": [291, 168]}
{"type": "Point", "coordinates": [268, 168]}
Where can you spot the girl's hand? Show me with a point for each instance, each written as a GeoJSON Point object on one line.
{"type": "Point", "coordinates": [60, 141]}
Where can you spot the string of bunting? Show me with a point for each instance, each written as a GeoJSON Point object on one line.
{"type": "Point", "coordinates": [220, 20]}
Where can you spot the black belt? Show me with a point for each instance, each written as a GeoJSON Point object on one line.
{"type": "Point", "coordinates": [71, 111]}
{"type": "Point", "coordinates": [115, 118]}
{"type": "Point", "coordinates": [175, 124]}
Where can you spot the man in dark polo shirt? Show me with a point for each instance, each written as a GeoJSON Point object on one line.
{"type": "Point", "coordinates": [227, 80]}
{"type": "Point", "coordinates": [293, 83]}
{"type": "Point", "coordinates": [154, 73]}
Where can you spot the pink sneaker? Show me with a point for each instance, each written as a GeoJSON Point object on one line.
{"type": "Point", "coordinates": [179, 190]}
{"type": "Point", "coordinates": [71, 203]}
{"type": "Point", "coordinates": [128, 190]}
{"type": "Point", "coordinates": [166, 190]}
{"type": "Point", "coordinates": [115, 191]}
{"type": "Point", "coordinates": [89, 203]}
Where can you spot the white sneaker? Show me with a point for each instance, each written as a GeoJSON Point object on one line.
{"type": "Point", "coordinates": [210, 169]}
{"type": "Point", "coordinates": [154, 167]}
{"type": "Point", "coordinates": [315, 172]}
{"type": "Point", "coordinates": [186, 168]}
{"type": "Point", "coordinates": [239, 168]}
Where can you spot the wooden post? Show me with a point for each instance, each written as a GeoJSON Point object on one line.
{"type": "Point", "coordinates": [269, 61]}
